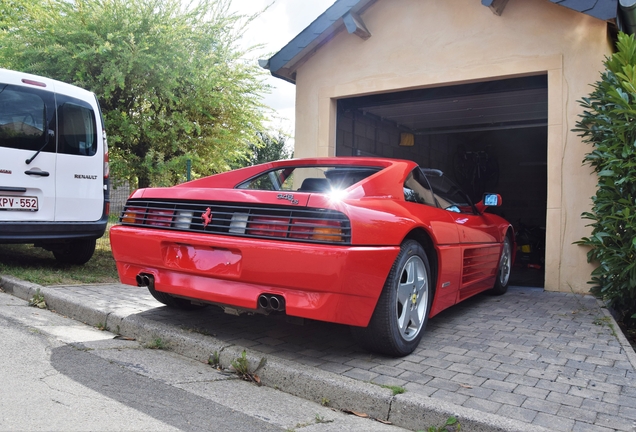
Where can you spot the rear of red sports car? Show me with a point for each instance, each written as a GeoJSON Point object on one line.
{"type": "Point", "coordinates": [314, 238]}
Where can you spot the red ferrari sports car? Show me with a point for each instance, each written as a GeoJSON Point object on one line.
{"type": "Point", "coordinates": [381, 245]}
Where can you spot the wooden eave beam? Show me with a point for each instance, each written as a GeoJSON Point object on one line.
{"type": "Point", "coordinates": [356, 26]}
{"type": "Point", "coordinates": [496, 6]}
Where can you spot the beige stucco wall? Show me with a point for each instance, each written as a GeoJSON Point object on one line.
{"type": "Point", "coordinates": [422, 43]}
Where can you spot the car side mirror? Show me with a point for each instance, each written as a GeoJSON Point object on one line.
{"type": "Point", "coordinates": [492, 200]}
{"type": "Point", "coordinates": [489, 200]}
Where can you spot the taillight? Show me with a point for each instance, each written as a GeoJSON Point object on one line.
{"type": "Point", "coordinates": [268, 226]}
{"type": "Point", "coordinates": [106, 161]}
{"type": "Point", "coordinates": [301, 229]}
{"type": "Point", "coordinates": [132, 214]}
{"type": "Point", "coordinates": [162, 218]}
{"type": "Point", "coordinates": [316, 229]}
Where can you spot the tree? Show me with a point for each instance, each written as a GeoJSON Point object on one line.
{"type": "Point", "coordinates": [608, 123]}
{"type": "Point", "coordinates": [171, 80]}
{"type": "Point", "coordinates": [266, 148]}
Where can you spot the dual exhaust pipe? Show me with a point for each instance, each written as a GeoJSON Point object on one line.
{"type": "Point", "coordinates": [271, 302]}
{"type": "Point", "coordinates": [145, 280]}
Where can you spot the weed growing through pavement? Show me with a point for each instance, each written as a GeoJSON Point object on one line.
{"type": "Point", "coordinates": [321, 419]}
{"type": "Point", "coordinates": [215, 360]}
{"type": "Point", "coordinates": [241, 365]}
{"type": "Point", "coordinates": [451, 425]}
{"type": "Point", "coordinates": [102, 327]}
{"type": "Point", "coordinates": [395, 389]}
{"type": "Point", "coordinates": [325, 402]}
{"type": "Point", "coordinates": [577, 297]}
{"type": "Point", "coordinates": [242, 368]}
{"type": "Point", "coordinates": [37, 300]}
{"type": "Point", "coordinates": [605, 322]}
{"type": "Point", "coordinates": [156, 343]}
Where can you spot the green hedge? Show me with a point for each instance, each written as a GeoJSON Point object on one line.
{"type": "Point", "coordinates": [608, 124]}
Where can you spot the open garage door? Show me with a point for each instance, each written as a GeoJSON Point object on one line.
{"type": "Point", "coordinates": [489, 136]}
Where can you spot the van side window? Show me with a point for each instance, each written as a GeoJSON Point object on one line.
{"type": "Point", "coordinates": [417, 189]}
{"type": "Point", "coordinates": [76, 127]}
{"type": "Point", "coordinates": [23, 118]}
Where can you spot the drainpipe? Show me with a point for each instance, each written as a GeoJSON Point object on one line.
{"type": "Point", "coordinates": [628, 9]}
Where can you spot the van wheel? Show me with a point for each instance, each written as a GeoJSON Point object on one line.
{"type": "Point", "coordinates": [76, 252]}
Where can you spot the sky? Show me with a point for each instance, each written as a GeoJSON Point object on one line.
{"type": "Point", "coordinates": [274, 28]}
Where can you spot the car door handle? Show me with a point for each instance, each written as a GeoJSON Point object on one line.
{"type": "Point", "coordinates": [37, 173]}
{"type": "Point", "coordinates": [12, 189]}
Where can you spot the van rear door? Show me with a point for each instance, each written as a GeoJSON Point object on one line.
{"type": "Point", "coordinates": [80, 157]}
{"type": "Point", "coordinates": [27, 125]}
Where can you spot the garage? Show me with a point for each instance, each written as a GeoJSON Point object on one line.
{"type": "Point", "coordinates": [489, 136]}
{"type": "Point", "coordinates": [487, 91]}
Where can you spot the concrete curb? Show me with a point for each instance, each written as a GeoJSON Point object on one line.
{"type": "Point", "coordinates": [627, 347]}
{"type": "Point", "coordinates": [408, 410]}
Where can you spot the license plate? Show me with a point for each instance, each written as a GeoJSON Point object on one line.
{"type": "Point", "coordinates": [18, 203]}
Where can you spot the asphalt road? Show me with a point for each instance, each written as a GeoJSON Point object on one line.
{"type": "Point", "coordinates": [58, 374]}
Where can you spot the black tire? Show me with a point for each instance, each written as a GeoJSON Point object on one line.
{"type": "Point", "coordinates": [174, 302]}
{"type": "Point", "coordinates": [503, 271]}
{"type": "Point", "coordinates": [77, 252]}
{"type": "Point", "coordinates": [401, 313]}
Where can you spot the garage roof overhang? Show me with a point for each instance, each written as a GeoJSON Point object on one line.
{"type": "Point", "coordinates": [343, 14]}
{"type": "Point", "coordinates": [346, 15]}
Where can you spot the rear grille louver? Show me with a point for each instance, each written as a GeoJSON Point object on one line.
{"type": "Point", "coordinates": [253, 221]}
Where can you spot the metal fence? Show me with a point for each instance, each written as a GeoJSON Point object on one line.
{"type": "Point", "coordinates": [118, 197]}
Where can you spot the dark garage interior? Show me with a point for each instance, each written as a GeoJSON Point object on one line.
{"type": "Point", "coordinates": [488, 136]}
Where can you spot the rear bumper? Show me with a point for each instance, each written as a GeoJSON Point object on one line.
{"type": "Point", "coordinates": [339, 284]}
{"type": "Point", "coordinates": [50, 232]}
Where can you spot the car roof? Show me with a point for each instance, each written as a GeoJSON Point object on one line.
{"type": "Point", "coordinates": [231, 179]}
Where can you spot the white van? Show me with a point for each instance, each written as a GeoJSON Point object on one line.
{"type": "Point", "coordinates": [53, 166]}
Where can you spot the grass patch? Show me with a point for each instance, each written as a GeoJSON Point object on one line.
{"type": "Point", "coordinates": [156, 343]}
{"type": "Point", "coordinates": [37, 265]}
{"type": "Point", "coordinates": [395, 389]}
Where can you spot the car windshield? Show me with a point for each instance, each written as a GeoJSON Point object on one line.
{"type": "Point", "coordinates": [310, 178]}
{"type": "Point", "coordinates": [449, 196]}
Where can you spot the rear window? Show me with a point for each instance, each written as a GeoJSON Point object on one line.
{"type": "Point", "coordinates": [76, 126]}
{"type": "Point", "coordinates": [28, 121]}
{"type": "Point", "coordinates": [23, 119]}
{"type": "Point", "coordinates": [309, 179]}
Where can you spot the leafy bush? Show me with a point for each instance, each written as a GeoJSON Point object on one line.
{"type": "Point", "coordinates": [172, 79]}
{"type": "Point", "coordinates": [608, 123]}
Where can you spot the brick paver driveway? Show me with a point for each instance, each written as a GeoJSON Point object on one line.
{"type": "Point", "coordinates": [544, 358]}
